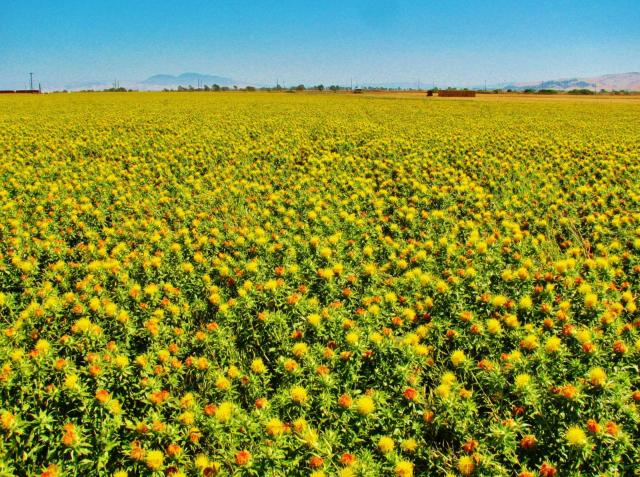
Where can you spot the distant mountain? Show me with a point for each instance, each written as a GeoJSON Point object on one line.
{"type": "Point", "coordinates": [393, 85]}
{"type": "Point", "coordinates": [153, 83]}
{"type": "Point", "coordinates": [187, 79]}
{"type": "Point", "coordinates": [621, 81]}
{"type": "Point", "coordinates": [83, 85]}
{"type": "Point", "coordinates": [610, 82]}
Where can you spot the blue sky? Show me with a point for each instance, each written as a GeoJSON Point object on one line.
{"type": "Point", "coordinates": [450, 42]}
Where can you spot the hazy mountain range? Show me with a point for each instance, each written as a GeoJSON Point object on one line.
{"type": "Point", "coordinates": [157, 82]}
{"type": "Point", "coordinates": [622, 81]}
{"type": "Point", "coordinates": [188, 79]}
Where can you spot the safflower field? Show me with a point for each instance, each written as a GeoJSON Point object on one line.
{"type": "Point", "coordinates": [319, 285]}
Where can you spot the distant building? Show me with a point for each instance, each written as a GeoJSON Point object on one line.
{"type": "Point", "coordinates": [456, 93]}
{"type": "Point", "coordinates": [19, 91]}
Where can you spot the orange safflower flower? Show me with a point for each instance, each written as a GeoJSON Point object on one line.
{"type": "Point", "coordinates": [243, 457]}
{"type": "Point", "coordinates": [410, 394]}
{"type": "Point", "coordinates": [174, 450]}
{"type": "Point", "coordinates": [347, 459]}
{"type": "Point", "coordinates": [51, 471]}
{"type": "Point", "coordinates": [315, 462]}
{"type": "Point", "coordinates": [159, 397]}
{"type": "Point", "coordinates": [470, 445]}
{"type": "Point", "coordinates": [345, 401]}
{"type": "Point", "coordinates": [612, 428]}
{"type": "Point", "coordinates": [136, 452]}
{"type": "Point", "coordinates": [619, 347]}
{"type": "Point", "coordinates": [528, 442]}
{"type": "Point", "coordinates": [322, 370]}
{"type": "Point", "coordinates": [69, 435]}
{"type": "Point", "coordinates": [593, 426]}
{"type": "Point", "coordinates": [102, 395]}
{"type": "Point", "coordinates": [548, 470]}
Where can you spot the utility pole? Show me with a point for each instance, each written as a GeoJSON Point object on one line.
{"type": "Point", "coordinates": [485, 86]}
{"type": "Point", "coordinates": [31, 81]}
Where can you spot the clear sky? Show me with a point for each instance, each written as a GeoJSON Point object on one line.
{"type": "Point", "coordinates": [451, 42]}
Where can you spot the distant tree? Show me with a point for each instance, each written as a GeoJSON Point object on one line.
{"type": "Point", "coordinates": [584, 91]}
{"type": "Point", "coordinates": [224, 88]}
{"type": "Point", "coordinates": [206, 88]}
{"type": "Point", "coordinates": [250, 88]}
{"type": "Point", "coordinates": [235, 87]}
{"type": "Point", "coordinates": [320, 87]}
{"type": "Point", "coordinates": [215, 87]}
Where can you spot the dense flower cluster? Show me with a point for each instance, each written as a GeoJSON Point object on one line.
{"type": "Point", "coordinates": [271, 284]}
